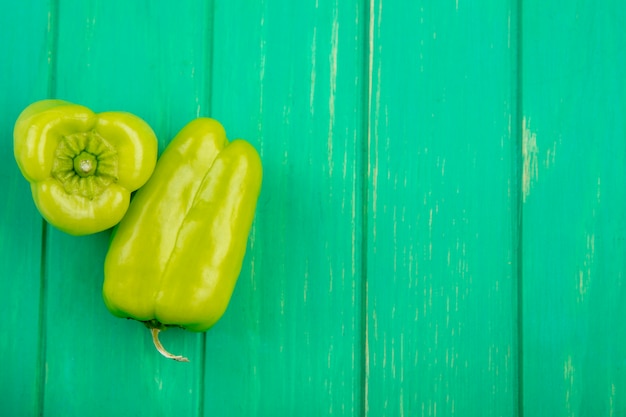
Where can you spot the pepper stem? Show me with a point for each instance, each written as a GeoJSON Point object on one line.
{"type": "Point", "coordinates": [155, 338]}
{"type": "Point", "coordinates": [85, 164]}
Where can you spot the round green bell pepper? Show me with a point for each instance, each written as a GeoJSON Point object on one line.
{"type": "Point", "coordinates": [82, 166]}
{"type": "Point", "coordinates": [175, 257]}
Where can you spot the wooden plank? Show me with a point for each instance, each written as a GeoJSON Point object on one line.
{"type": "Point", "coordinates": [441, 271]}
{"type": "Point", "coordinates": [24, 41]}
{"type": "Point", "coordinates": [287, 78]}
{"type": "Point", "coordinates": [574, 219]}
{"type": "Point", "coordinates": [149, 58]}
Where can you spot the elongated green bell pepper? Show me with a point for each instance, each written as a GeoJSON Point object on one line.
{"type": "Point", "coordinates": [82, 166]}
{"type": "Point", "coordinates": [175, 257]}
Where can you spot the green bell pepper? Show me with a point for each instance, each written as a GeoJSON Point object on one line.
{"type": "Point", "coordinates": [175, 257]}
{"type": "Point", "coordinates": [82, 166]}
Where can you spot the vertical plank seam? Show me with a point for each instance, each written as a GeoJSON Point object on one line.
{"type": "Point", "coordinates": [52, 34]}
{"type": "Point", "coordinates": [209, 36]}
{"type": "Point", "coordinates": [42, 331]}
{"type": "Point", "coordinates": [367, 88]}
{"type": "Point", "coordinates": [519, 198]}
{"type": "Point", "coordinates": [210, 39]}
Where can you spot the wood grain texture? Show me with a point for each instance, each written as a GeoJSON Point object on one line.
{"type": "Point", "coordinates": [431, 240]}
{"type": "Point", "coordinates": [291, 86]}
{"type": "Point", "coordinates": [24, 47]}
{"type": "Point", "coordinates": [574, 108]}
{"type": "Point", "coordinates": [118, 55]}
{"type": "Point", "coordinates": [441, 281]}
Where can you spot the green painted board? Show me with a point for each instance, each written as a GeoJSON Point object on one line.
{"type": "Point", "coordinates": [291, 85]}
{"type": "Point", "coordinates": [574, 212]}
{"type": "Point", "coordinates": [441, 277]}
{"type": "Point", "coordinates": [115, 56]}
{"type": "Point", "coordinates": [441, 230]}
{"type": "Point", "coordinates": [24, 78]}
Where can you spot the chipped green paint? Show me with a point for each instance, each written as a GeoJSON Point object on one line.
{"type": "Point", "coordinates": [530, 158]}
{"type": "Point", "coordinates": [441, 229]}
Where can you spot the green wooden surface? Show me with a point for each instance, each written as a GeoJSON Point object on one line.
{"type": "Point", "coordinates": [574, 136]}
{"type": "Point", "coordinates": [441, 267]}
{"type": "Point", "coordinates": [441, 230]}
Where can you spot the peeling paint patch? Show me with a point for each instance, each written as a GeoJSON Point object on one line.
{"type": "Point", "coordinates": [612, 401]}
{"type": "Point", "coordinates": [550, 156]}
{"type": "Point", "coordinates": [313, 71]}
{"type": "Point", "coordinates": [530, 153]}
{"type": "Point", "coordinates": [585, 273]}
{"type": "Point", "coordinates": [331, 96]}
{"type": "Point", "coordinates": [568, 377]}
